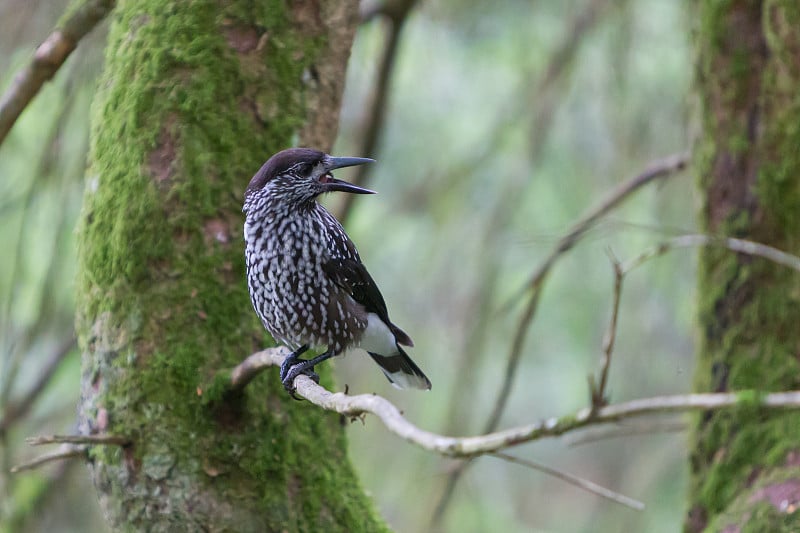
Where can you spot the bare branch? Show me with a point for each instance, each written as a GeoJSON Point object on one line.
{"type": "Point", "coordinates": [66, 451]}
{"type": "Point", "coordinates": [597, 389]}
{"type": "Point", "coordinates": [543, 96]}
{"type": "Point", "coordinates": [48, 58]}
{"type": "Point", "coordinates": [355, 406]}
{"type": "Point", "coordinates": [735, 245]}
{"type": "Point", "coordinates": [614, 432]}
{"type": "Point", "coordinates": [657, 170]}
{"type": "Point", "coordinates": [115, 440]}
{"type": "Point", "coordinates": [543, 100]}
{"type": "Point", "coordinates": [585, 484]}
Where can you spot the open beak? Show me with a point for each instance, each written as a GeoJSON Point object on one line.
{"type": "Point", "coordinates": [332, 184]}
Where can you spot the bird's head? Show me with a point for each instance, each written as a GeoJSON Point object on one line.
{"type": "Point", "coordinates": [297, 176]}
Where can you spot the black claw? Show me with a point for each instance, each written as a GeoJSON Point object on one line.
{"type": "Point", "coordinates": [292, 370]}
{"type": "Point", "coordinates": [292, 367]}
{"type": "Point", "coordinates": [286, 367]}
{"type": "Point", "coordinates": [289, 384]}
{"type": "Point", "coordinates": [291, 360]}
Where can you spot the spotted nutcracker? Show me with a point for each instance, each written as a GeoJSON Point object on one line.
{"type": "Point", "coordinates": [306, 280]}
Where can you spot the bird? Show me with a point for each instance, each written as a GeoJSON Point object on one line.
{"type": "Point", "coordinates": [305, 277]}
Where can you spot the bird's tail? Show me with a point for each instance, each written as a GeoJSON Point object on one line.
{"type": "Point", "coordinates": [401, 371]}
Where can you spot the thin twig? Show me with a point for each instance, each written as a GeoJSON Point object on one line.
{"type": "Point", "coordinates": [585, 484]}
{"type": "Point", "coordinates": [49, 57]}
{"type": "Point", "coordinates": [543, 114]}
{"type": "Point", "coordinates": [67, 451]}
{"type": "Point", "coordinates": [543, 105]}
{"type": "Point", "coordinates": [115, 440]}
{"type": "Point", "coordinates": [735, 245]}
{"type": "Point", "coordinates": [392, 418]}
{"type": "Point", "coordinates": [657, 170]}
{"type": "Point", "coordinates": [597, 389]}
{"type": "Point", "coordinates": [684, 241]}
{"type": "Point", "coordinates": [614, 432]}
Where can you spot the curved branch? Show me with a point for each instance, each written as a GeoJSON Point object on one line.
{"type": "Point", "coordinates": [72, 446]}
{"type": "Point", "coordinates": [597, 388]}
{"type": "Point", "coordinates": [67, 451]}
{"type": "Point", "coordinates": [543, 96]}
{"type": "Point", "coordinates": [48, 58]}
{"type": "Point", "coordinates": [465, 447]}
{"type": "Point", "coordinates": [660, 169]}
{"type": "Point", "coordinates": [740, 246]}
{"type": "Point", "coordinates": [615, 432]}
{"type": "Point", "coordinates": [584, 484]}
{"type": "Point", "coordinates": [114, 440]}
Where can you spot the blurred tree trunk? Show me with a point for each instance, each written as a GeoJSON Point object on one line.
{"type": "Point", "coordinates": [745, 464]}
{"type": "Point", "coordinates": [195, 96]}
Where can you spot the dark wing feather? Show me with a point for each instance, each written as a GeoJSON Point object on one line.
{"type": "Point", "coordinates": [352, 276]}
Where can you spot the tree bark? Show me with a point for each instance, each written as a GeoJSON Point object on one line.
{"type": "Point", "coordinates": [745, 464]}
{"type": "Point", "coordinates": [195, 96]}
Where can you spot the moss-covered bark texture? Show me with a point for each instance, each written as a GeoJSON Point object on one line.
{"type": "Point", "coordinates": [745, 464]}
{"type": "Point", "coordinates": [195, 96]}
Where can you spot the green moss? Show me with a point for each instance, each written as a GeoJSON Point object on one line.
{"type": "Point", "coordinates": [162, 301]}
{"type": "Point", "coordinates": [754, 511]}
{"type": "Point", "coordinates": [780, 185]}
{"type": "Point", "coordinates": [748, 307]}
{"type": "Point", "coordinates": [748, 346]}
{"type": "Point", "coordinates": [766, 518]}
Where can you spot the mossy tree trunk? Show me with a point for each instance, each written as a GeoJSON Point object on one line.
{"type": "Point", "coordinates": [195, 95]}
{"type": "Point", "coordinates": [745, 464]}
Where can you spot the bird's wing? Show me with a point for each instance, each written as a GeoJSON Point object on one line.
{"type": "Point", "coordinates": [351, 275]}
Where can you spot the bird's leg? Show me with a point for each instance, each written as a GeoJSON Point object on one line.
{"type": "Point", "coordinates": [296, 366]}
{"type": "Point", "coordinates": [291, 360]}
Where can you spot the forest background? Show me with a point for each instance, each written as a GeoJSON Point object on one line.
{"type": "Point", "coordinates": [504, 123]}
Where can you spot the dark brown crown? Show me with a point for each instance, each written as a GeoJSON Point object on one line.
{"type": "Point", "coordinates": [286, 161]}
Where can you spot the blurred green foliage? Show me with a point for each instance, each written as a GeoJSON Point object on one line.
{"type": "Point", "coordinates": [480, 171]}
{"type": "Point", "coordinates": [42, 165]}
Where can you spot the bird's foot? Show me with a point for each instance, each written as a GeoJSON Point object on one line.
{"type": "Point", "coordinates": [292, 360]}
{"type": "Point", "coordinates": [293, 367]}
